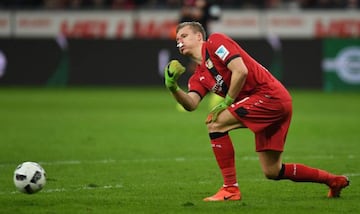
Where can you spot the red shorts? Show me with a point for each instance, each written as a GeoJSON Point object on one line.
{"type": "Point", "coordinates": [268, 118]}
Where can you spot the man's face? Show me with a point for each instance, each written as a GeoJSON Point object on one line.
{"type": "Point", "coordinates": [187, 39]}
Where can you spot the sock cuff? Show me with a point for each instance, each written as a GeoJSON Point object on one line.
{"type": "Point", "coordinates": [215, 135]}
{"type": "Point", "coordinates": [281, 172]}
{"type": "Point", "coordinates": [233, 185]}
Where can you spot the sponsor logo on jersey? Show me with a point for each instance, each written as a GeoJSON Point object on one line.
{"type": "Point", "coordinates": [217, 88]}
{"type": "Point", "coordinates": [222, 52]}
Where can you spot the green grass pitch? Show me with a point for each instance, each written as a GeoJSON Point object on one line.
{"type": "Point", "coordinates": [127, 150]}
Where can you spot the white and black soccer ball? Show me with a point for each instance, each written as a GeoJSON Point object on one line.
{"type": "Point", "coordinates": [29, 177]}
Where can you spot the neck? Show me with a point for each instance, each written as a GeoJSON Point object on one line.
{"type": "Point", "coordinates": [197, 56]}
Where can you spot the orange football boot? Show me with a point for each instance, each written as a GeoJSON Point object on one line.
{"type": "Point", "coordinates": [226, 194]}
{"type": "Point", "coordinates": [336, 185]}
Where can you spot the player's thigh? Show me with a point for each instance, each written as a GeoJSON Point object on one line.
{"type": "Point", "coordinates": [257, 112]}
{"type": "Point", "coordinates": [224, 122]}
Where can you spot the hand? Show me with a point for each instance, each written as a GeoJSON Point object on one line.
{"type": "Point", "coordinates": [172, 72]}
{"type": "Point", "coordinates": [219, 108]}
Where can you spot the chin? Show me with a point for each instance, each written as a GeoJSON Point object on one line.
{"type": "Point", "coordinates": [184, 52]}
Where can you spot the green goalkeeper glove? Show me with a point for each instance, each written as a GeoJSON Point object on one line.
{"type": "Point", "coordinates": [173, 71]}
{"type": "Point", "coordinates": [219, 108]}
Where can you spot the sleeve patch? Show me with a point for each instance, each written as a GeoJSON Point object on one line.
{"type": "Point", "coordinates": [222, 52]}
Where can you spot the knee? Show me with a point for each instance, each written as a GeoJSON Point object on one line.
{"type": "Point", "coordinates": [272, 174]}
{"type": "Point", "coordinates": [212, 127]}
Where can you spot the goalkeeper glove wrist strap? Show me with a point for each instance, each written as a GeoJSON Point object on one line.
{"type": "Point", "coordinates": [228, 100]}
{"type": "Point", "coordinates": [174, 88]}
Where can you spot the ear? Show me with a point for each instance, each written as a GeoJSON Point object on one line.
{"type": "Point", "coordinates": [199, 36]}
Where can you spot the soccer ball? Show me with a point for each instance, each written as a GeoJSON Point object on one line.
{"type": "Point", "coordinates": [29, 177]}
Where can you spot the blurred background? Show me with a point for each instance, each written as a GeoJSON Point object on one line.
{"type": "Point", "coordinates": [306, 44]}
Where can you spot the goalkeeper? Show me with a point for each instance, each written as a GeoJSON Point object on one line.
{"type": "Point", "coordinates": [253, 99]}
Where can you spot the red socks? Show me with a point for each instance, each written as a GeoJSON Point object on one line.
{"type": "Point", "coordinates": [301, 173]}
{"type": "Point", "coordinates": [224, 153]}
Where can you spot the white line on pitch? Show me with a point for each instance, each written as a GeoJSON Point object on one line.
{"type": "Point", "coordinates": [178, 159]}
{"type": "Point", "coordinates": [116, 186]}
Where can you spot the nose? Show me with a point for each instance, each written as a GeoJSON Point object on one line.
{"type": "Point", "coordinates": [179, 45]}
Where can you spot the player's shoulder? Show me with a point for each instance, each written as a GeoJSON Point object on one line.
{"type": "Point", "coordinates": [216, 37]}
{"type": "Point", "coordinates": [215, 40]}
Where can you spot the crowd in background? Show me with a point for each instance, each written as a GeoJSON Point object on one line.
{"type": "Point", "coordinates": [173, 4]}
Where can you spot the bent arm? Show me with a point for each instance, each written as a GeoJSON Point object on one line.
{"type": "Point", "coordinates": [189, 101]}
{"type": "Point", "coordinates": [238, 76]}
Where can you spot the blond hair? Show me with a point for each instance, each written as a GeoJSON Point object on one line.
{"type": "Point", "coordinates": [195, 26]}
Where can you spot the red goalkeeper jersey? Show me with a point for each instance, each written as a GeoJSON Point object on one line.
{"type": "Point", "coordinates": [213, 74]}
